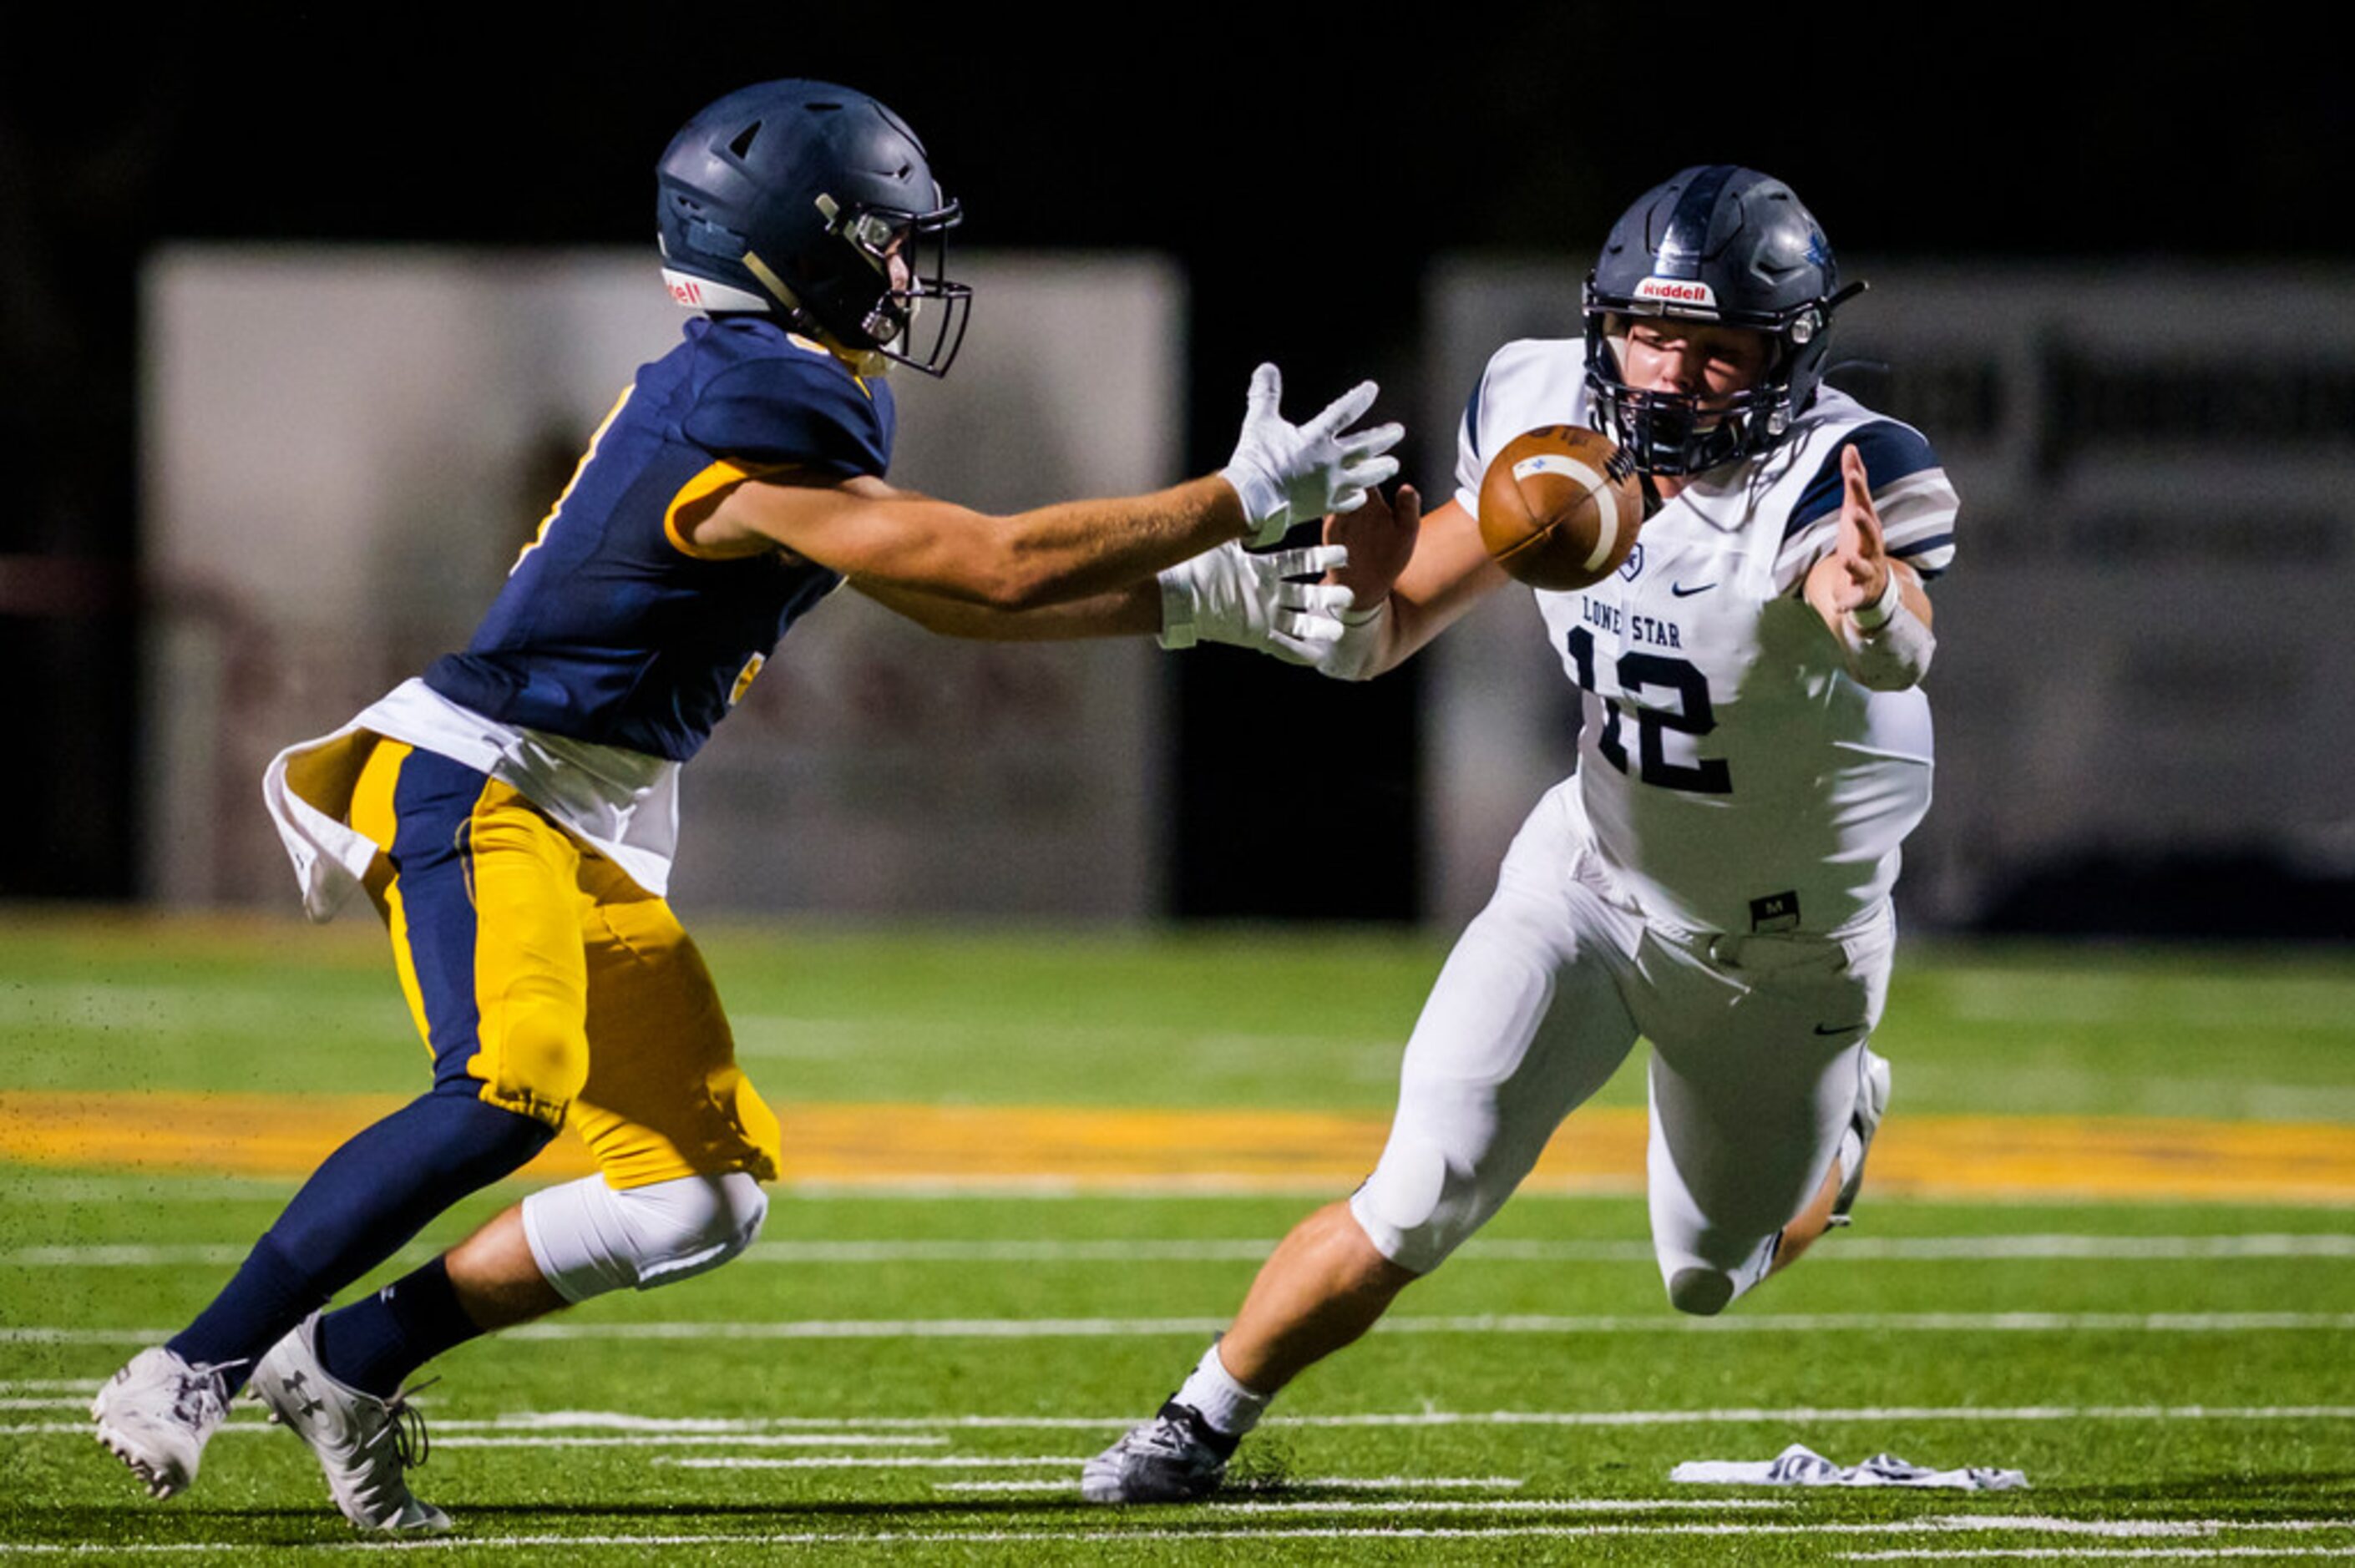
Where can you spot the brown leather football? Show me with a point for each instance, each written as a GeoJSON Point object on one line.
{"type": "Point", "coordinates": [1560, 508]}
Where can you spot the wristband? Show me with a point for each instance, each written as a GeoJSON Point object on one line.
{"type": "Point", "coordinates": [1267, 514]}
{"type": "Point", "coordinates": [1894, 654]}
{"type": "Point", "coordinates": [1874, 616]}
{"type": "Point", "coordinates": [1178, 627]}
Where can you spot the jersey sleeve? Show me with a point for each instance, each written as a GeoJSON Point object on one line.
{"type": "Point", "coordinates": [794, 407]}
{"type": "Point", "coordinates": [1468, 468]}
{"type": "Point", "coordinates": [1909, 490]}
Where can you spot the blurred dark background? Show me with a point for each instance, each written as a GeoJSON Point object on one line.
{"type": "Point", "coordinates": [1301, 167]}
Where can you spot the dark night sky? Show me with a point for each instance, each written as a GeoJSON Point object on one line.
{"type": "Point", "coordinates": [1955, 140]}
{"type": "Point", "coordinates": [1303, 183]}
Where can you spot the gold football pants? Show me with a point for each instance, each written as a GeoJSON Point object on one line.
{"type": "Point", "coordinates": [544, 980]}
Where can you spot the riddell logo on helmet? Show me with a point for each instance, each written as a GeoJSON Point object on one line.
{"type": "Point", "coordinates": [684, 291]}
{"type": "Point", "coordinates": [1677, 291]}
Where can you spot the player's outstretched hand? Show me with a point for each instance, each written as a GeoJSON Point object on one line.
{"type": "Point", "coordinates": [1859, 555]}
{"type": "Point", "coordinates": [1286, 473]}
{"type": "Point", "coordinates": [1379, 536]}
{"type": "Point", "coordinates": [1271, 602]}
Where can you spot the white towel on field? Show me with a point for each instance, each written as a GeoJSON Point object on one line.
{"type": "Point", "coordinates": [1800, 1466]}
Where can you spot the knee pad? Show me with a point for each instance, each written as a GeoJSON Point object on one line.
{"type": "Point", "coordinates": [1417, 1209]}
{"type": "Point", "coordinates": [589, 1238]}
{"type": "Point", "coordinates": [541, 1063]}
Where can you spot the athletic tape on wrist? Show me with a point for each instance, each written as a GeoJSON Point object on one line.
{"type": "Point", "coordinates": [1178, 628]}
{"type": "Point", "coordinates": [1893, 655]}
{"type": "Point", "coordinates": [1874, 616]}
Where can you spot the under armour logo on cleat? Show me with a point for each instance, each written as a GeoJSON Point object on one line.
{"type": "Point", "coordinates": [300, 1383]}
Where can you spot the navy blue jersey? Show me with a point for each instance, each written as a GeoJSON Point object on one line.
{"type": "Point", "coordinates": [611, 629]}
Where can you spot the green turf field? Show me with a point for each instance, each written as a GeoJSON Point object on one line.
{"type": "Point", "coordinates": [918, 1375]}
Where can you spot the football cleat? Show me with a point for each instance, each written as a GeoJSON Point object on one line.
{"type": "Point", "coordinates": [366, 1444]}
{"type": "Point", "coordinates": [1177, 1456]}
{"type": "Point", "coordinates": [1871, 1105]}
{"type": "Point", "coordinates": [156, 1413]}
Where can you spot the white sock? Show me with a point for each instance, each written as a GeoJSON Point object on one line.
{"type": "Point", "coordinates": [1218, 1399]}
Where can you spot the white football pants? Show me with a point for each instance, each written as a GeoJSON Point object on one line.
{"type": "Point", "coordinates": [1757, 1043]}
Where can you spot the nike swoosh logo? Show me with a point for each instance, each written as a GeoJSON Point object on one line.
{"type": "Point", "coordinates": [1683, 592]}
{"type": "Point", "coordinates": [1843, 1029]}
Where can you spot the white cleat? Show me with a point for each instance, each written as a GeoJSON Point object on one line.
{"type": "Point", "coordinates": [1177, 1456]}
{"type": "Point", "coordinates": [155, 1415]}
{"type": "Point", "coordinates": [364, 1444]}
{"type": "Point", "coordinates": [1871, 1105]}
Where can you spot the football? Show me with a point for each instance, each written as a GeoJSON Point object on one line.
{"type": "Point", "coordinates": [1560, 508]}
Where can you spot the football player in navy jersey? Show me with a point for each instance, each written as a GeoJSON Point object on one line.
{"type": "Point", "coordinates": [511, 814]}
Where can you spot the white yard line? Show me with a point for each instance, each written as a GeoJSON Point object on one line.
{"type": "Point", "coordinates": [874, 1462]}
{"type": "Point", "coordinates": [2079, 1554]}
{"type": "Point", "coordinates": [1501, 1323]}
{"type": "Point", "coordinates": [1720, 1415]}
{"type": "Point", "coordinates": [1273, 1506]}
{"type": "Point", "coordinates": [628, 1421]}
{"type": "Point", "coordinates": [772, 1033]}
{"type": "Point", "coordinates": [1364, 1483]}
{"type": "Point", "coordinates": [687, 1439]}
{"type": "Point", "coordinates": [927, 1431]}
{"type": "Point", "coordinates": [1852, 1249]}
{"type": "Point", "coordinates": [18, 1184]}
{"type": "Point", "coordinates": [2079, 1529]}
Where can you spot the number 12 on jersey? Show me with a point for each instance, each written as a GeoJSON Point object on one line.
{"type": "Point", "coordinates": [1664, 694]}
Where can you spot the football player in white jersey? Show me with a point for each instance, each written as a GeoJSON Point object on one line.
{"type": "Point", "coordinates": [1715, 876]}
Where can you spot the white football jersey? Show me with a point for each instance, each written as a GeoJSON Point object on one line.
{"type": "Point", "coordinates": [1737, 778]}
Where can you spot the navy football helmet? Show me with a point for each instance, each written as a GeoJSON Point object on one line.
{"type": "Point", "coordinates": [796, 198]}
{"type": "Point", "coordinates": [1721, 244]}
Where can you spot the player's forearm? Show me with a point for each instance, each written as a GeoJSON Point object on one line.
{"type": "Point", "coordinates": [1446, 578]}
{"type": "Point", "coordinates": [1374, 645]}
{"type": "Point", "coordinates": [1132, 611]}
{"type": "Point", "coordinates": [875, 535]}
{"type": "Point", "coordinates": [1076, 549]}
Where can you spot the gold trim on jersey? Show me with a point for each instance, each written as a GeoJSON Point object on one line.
{"type": "Point", "coordinates": [709, 482]}
{"type": "Point", "coordinates": [745, 676]}
{"type": "Point", "coordinates": [578, 470]}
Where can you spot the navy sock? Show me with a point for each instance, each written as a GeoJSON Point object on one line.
{"type": "Point", "coordinates": [359, 1208]}
{"type": "Point", "coordinates": [268, 1287]}
{"type": "Point", "coordinates": [376, 1341]}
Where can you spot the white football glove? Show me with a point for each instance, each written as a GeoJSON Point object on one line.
{"type": "Point", "coordinates": [1229, 595]}
{"type": "Point", "coordinates": [1288, 474]}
